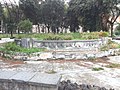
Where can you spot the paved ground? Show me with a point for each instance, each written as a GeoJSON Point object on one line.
{"type": "Point", "coordinates": [79, 71]}
{"type": "Point", "coordinates": [5, 40]}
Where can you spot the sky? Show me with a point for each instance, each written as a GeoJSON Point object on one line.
{"type": "Point", "coordinates": [8, 1]}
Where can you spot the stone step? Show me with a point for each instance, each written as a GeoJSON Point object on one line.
{"type": "Point", "coordinates": [13, 80]}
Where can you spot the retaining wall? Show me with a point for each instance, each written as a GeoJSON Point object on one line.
{"type": "Point", "coordinates": [61, 44]}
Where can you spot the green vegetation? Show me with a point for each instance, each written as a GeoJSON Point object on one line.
{"type": "Point", "coordinates": [92, 58]}
{"type": "Point", "coordinates": [25, 26]}
{"type": "Point", "coordinates": [4, 36]}
{"type": "Point", "coordinates": [92, 15]}
{"type": "Point", "coordinates": [61, 36]}
{"type": "Point", "coordinates": [110, 45]}
{"type": "Point", "coordinates": [117, 29]}
{"type": "Point", "coordinates": [113, 65]}
{"type": "Point", "coordinates": [97, 69]}
{"type": "Point", "coordinates": [12, 48]}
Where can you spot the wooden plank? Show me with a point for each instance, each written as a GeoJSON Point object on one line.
{"type": "Point", "coordinates": [7, 74]}
{"type": "Point", "coordinates": [51, 79]}
{"type": "Point", "coordinates": [23, 76]}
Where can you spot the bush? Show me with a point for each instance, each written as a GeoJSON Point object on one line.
{"type": "Point", "coordinates": [25, 26]}
{"type": "Point", "coordinates": [58, 37]}
{"type": "Point", "coordinates": [117, 29]}
{"type": "Point", "coordinates": [68, 37]}
{"type": "Point", "coordinates": [109, 45]}
{"type": "Point", "coordinates": [92, 35]}
{"type": "Point", "coordinates": [53, 37]}
{"type": "Point", "coordinates": [12, 47]}
{"type": "Point", "coordinates": [103, 34]}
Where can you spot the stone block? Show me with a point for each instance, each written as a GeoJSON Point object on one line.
{"type": "Point", "coordinates": [46, 55]}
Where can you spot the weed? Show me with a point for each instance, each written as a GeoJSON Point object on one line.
{"type": "Point", "coordinates": [51, 72]}
{"type": "Point", "coordinates": [97, 69]}
{"type": "Point", "coordinates": [113, 65]}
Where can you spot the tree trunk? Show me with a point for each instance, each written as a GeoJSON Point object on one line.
{"type": "Point", "coordinates": [48, 29]}
{"type": "Point", "coordinates": [11, 34]}
{"type": "Point", "coordinates": [38, 28]}
{"type": "Point", "coordinates": [18, 30]}
{"type": "Point", "coordinates": [111, 30]}
{"type": "Point", "coordinates": [6, 29]}
{"type": "Point", "coordinates": [2, 26]}
{"type": "Point", "coordinates": [57, 30]}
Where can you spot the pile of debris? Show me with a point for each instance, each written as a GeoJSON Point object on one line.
{"type": "Point", "coordinates": [67, 85]}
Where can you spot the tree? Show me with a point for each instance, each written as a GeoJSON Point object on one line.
{"type": "Point", "coordinates": [9, 19]}
{"type": "Point", "coordinates": [11, 16]}
{"type": "Point", "coordinates": [25, 26]}
{"type": "Point", "coordinates": [113, 8]}
{"type": "Point", "coordinates": [52, 12]}
{"type": "Point", "coordinates": [1, 16]}
{"type": "Point", "coordinates": [85, 13]}
{"type": "Point", "coordinates": [94, 15]}
{"type": "Point", "coordinates": [31, 10]}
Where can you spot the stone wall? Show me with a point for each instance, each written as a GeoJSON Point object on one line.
{"type": "Point", "coordinates": [21, 85]}
{"type": "Point", "coordinates": [14, 80]}
{"type": "Point", "coordinates": [61, 44]}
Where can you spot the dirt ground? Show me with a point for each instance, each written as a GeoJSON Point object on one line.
{"type": "Point", "coordinates": [79, 71]}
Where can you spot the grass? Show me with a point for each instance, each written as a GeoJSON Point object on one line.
{"type": "Point", "coordinates": [97, 69]}
{"type": "Point", "coordinates": [63, 36]}
{"type": "Point", "coordinates": [113, 65]}
{"type": "Point", "coordinates": [10, 48]}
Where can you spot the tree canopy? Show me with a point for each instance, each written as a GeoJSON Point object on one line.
{"type": "Point", "coordinates": [92, 15]}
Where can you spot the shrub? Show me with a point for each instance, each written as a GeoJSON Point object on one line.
{"type": "Point", "coordinates": [68, 37]}
{"type": "Point", "coordinates": [103, 34]}
{"type": "Point", "coordinates": [11, 47]}
{"type": "Point", "coordinates": [53, 37]}
{"type": "Point", "coordinates": [25, 26]}
{"type": "Point", "coordinates": [92, 35]}
{"type": "Point", "coordinates": [58, 37]}
{"type": "Point", "coordinates": [109, 45]}
{"type": "Point", "coordinates": [7, 48]}
{"type": "Point", "coordinates": [113, 46]}
{"type": "Point", "coordinates": [117, 29]}
{"type": "Point", "coordinates": [117, 32]}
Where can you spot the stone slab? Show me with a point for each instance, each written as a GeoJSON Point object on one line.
{"type": "Point", "coordinates": [51, 79]}
{"type": "Point", "coordinates": [114, 59]}
{"type": "Point", "coordinates": [7, 74]}
{"type": "Point", "coordinates": [23, 76]}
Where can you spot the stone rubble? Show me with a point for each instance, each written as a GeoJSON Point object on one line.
{"type": "Point", "coordinates": [55, 55]}
{"type": "Point", "coordinates": [67, 85]}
